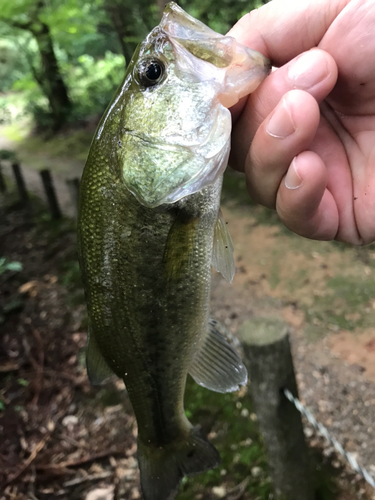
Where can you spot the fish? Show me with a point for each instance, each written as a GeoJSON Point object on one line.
{"type": "Point", "coordinates": [149, 228]}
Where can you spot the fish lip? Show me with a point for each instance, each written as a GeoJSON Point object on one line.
{"type": "Point", "coordinates": [235, 68]}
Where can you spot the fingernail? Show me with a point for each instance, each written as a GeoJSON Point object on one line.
{"type": "Point", "coordinates": [308, 69]}
{"type": "Point", "coordinates": [292, 179]}
{"type": "Point", "coordinates": [281, 123]}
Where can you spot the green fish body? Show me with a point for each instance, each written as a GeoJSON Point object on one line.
{"type": "Point", "coordinates": [149, 230]}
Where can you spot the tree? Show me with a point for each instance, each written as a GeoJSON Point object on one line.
{"type": "Point", "coordinates": [48, 75]}
{"type": "Point", "coordinates": [131, 21]}
{"type": "Point", "coordinates": [65, 55]}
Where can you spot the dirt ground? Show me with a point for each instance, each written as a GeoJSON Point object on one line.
{"type": "Point", "coordinates": [282, 276]}
{"type": "Point", "coordinates": [65, 439]}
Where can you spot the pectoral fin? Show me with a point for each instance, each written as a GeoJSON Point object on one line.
{"type": "Point", "coordinates": [179, 246]}
{"type": "Point", "coordinates": [97, 369]}
{"type": "Point", "coordinates": [216, 365]}
{"type": "Point", "coordinates": [222, 253]}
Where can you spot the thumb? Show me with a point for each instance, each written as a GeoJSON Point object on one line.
{"type": "Point", "coordinates": [282, 29]}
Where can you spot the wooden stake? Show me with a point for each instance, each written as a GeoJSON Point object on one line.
{"type": "Point", "coordinates": [21, 186]}
{"type": "Point", "coordinates": [3, 186]}
{"type": "Point", "coordinates": [50, 193]}
{"type": "Point", "coordinates": [270, 366]}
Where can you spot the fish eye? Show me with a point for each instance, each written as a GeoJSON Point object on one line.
{"type": "Point", "coordinates": [151, 72]}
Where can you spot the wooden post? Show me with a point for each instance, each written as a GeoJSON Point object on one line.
{"type": "Point", "coordinates": [50, 193]}
{"type": "Point", "coordinates": [3, 186]}
{"type": "Point", "coordinates": [73, 186]}
{"type": "Point", "coordinates": [24, 197]}
{"type": "Point", "coordinates": [270, 365]}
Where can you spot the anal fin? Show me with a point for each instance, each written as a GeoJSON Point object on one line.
{"type": "Point", "coordinates": [97, 369]}
{"type": "Point", "coordinates": [216, 365]}
{"type": "Point", "coordinates": [222, 252]}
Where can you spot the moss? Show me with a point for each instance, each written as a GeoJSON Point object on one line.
{"type": "Point", "coordinates": [274, 277]}
{"type": "Point", "coordinates": [349, 306]}
{"type": "Point", "coordinates": [227, 417]}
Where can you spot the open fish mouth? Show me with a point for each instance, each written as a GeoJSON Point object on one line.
{"type": "Point", "coordinates": [237, 68]}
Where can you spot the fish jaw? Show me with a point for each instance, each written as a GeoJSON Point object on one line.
{"type": "Point", "coordinates": [176, 134]}
{"type": "Point", "coordinates": [176, 170]}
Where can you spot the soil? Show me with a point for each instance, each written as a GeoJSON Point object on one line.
{"type": "Point", "coordinates": [334, 365]}
{"type": "Point", "coordinates": [64, 438]}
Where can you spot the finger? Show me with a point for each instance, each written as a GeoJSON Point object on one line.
{"type": "Point", "coordinates": [282, 29]}
{"type": "Point", "coordinates": [314, 71]}
{"type": "Point", "coordinates": [286, 133]}
{"type": "Point", "coordinates": [303, 203]}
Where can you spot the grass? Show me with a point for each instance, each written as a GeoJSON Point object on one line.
{"type": "Point", "coordinates": [15, 132]}
{"type": "Point", "coordinates": [236, 438]}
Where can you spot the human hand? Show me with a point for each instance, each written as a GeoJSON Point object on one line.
{"type": "Point", "coordinates": [306, 137]}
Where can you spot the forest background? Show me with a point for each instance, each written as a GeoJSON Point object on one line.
{"type": "Point", "coordinates": [61, 61]}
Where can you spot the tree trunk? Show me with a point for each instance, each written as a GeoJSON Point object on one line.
{"type": "Point", "coordinates": [121, 30]}
{"type": "Point", "coordinates": [121, 18]}
{"type": "Point", "coordinates": [50, 77]}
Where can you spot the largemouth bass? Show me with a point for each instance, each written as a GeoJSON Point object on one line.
{"type": "Point", "coordinates": [149, 229]}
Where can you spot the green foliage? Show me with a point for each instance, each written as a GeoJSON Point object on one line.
{"type": "Point", "coordinates": [23, 382]}
{"type": "Point", "coordinates": [6, 265]}
{"type": "Point", "coordinates": [221, 15]}
{"type": "Point", "coordinates": [12, 66]}
{"type": "Point", "coordinates": [90, 40]}
{"type": "Point", "coordinates": [93, 82]}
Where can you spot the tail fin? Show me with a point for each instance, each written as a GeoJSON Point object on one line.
{"type": "Point", "coordinates": [163, 468]}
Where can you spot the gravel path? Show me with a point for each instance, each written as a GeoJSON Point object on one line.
{"type": "Point", "coordinates": [34, 184]}
{"type": "Point", "coordinates": [33, 181]}
{"type": "Point", "coordinates": [339, 396]}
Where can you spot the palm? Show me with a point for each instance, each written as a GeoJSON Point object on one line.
{"type": "Point", "coordinates": [346, 136]}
